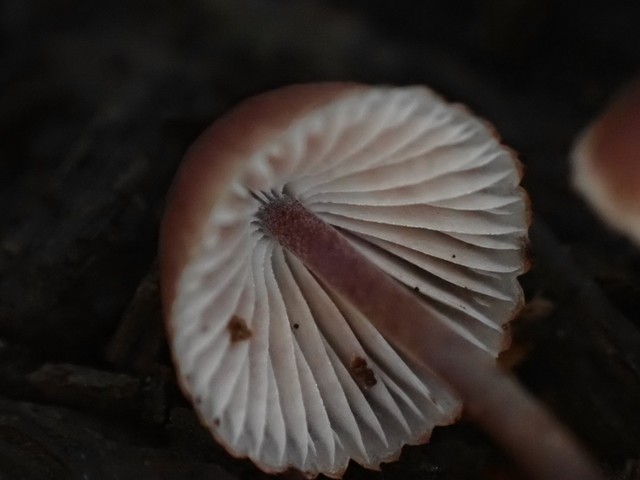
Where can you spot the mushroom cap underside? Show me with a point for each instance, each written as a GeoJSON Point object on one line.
{"type": "Point", "coordinates": [280, 368]}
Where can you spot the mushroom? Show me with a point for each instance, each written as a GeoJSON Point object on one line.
{"type": "Point", "coordinates": [606, 163]}
{"type": "Point", "coordinates": [339, 266]}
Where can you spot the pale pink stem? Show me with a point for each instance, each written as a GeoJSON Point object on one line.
{"type": "Point", "coordinates": [492, 397]}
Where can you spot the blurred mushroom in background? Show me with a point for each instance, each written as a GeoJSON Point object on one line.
{"type": "Point", "coordinates": [606, 163]}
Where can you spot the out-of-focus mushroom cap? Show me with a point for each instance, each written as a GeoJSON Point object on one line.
{"type": "Point", "coordinates": [606, 163]}
{"type": "Point", "coordinates": [280, 368]}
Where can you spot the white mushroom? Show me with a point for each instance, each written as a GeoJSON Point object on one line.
{"type": "Point", "coordinates": [339, 266]}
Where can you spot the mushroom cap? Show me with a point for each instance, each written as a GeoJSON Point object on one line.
{"type": "Point", "coordinates": [606, 163]}
{"type": "Point", "coordinates": [280, 368]}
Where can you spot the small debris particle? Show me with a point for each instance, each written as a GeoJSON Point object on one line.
{"type": "Point", "coordinates": [238, 329]}
{"type": "Point", "coordinates": [296, 326]}
{"type": "Point", "coordinates": [537, 309]}
{"type": "Point", "coordinates": [362, 372]}
{"type": "Point", "coordinates": [416, 289]}
{"type": "Point", "coordinates": [216, 422]}
{"type": "Point", "coordinates": [453, 256]}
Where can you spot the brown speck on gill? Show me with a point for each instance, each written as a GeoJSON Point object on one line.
{"type": "Point", "coordinates": [238, 329]}
{"type": "Point", "coordinates": [363, 374]}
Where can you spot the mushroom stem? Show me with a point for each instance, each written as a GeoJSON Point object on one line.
{"type": "Point", "coordinates": [492, 397]}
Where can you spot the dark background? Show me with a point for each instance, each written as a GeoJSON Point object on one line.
{"type": "Point", "coordinates": [98, 102]}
